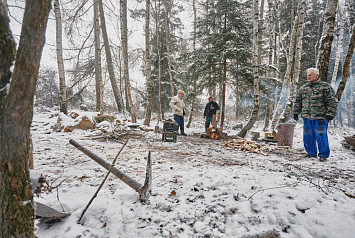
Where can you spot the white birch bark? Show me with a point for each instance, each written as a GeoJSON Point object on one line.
{"type": "Point", "coordinates": [325, 45]}
{"type": "Point", "coordinates": [287, 78]}
{"type": "Point", "coordinates": [297, 68]}
{"type": "Point", "coordinates": [339, 47]}
{"type": "Point", "coordinates": [60, 63]}
{"type": "Point", "coordinates": [167, 39]}
{"type": "Point", "coordinates": [98, 69]}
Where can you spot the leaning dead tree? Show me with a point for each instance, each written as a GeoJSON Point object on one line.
{"type": "Point", "coordinates": [144, 190]}
{"type": "Point", "coordinates": [111, 70]}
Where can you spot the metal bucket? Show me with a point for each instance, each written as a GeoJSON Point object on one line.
{"type": "Point", "coordinates": [285, 134]}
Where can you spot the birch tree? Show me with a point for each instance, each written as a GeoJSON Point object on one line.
{"type": "Point", "coordinates": [287, 78]}
{"type": "Point", "coordinates": [339, 52]}
{"type": "Point", "coordinates": [255, 111]}
{"type": "Point", "coordinates": [346, 65]}
{"type": "Point", "coordinates": [16, 112]}
{"type": "Point", "coordinates": [124, 42]}
{"type": "Point", "coordinates": [270, 59]}
{"type": "Point", "coordinates": [194, 93]}
{"type": "Point", "coordinates": [325, 45]}
{"type": "Point", "coordinates": [148, 64]}
{"type": "Point", "coordinates": [109, 61]}
{"type": "Point", "coordinates": [167, 39]}
{"type": "Point", "coordinates": [297, 68]}
{"type": "Point", "coordinates": [98, 69]}
{"type": "Point", "coordinates": [60, 62]}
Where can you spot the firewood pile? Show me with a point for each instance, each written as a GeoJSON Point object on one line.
{"type": "Point", "coordinates": [247, 146]}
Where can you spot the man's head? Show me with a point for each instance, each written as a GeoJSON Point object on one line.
{"type": "Point", "coordinates": [181, 94]}
{"type": "Point", "coordinates": [312, 74]}
{"type": "Point", "coordinates": [210, 98]}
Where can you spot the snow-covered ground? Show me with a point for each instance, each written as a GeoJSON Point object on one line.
{"type": "Point", "coordinates": [199, 189]}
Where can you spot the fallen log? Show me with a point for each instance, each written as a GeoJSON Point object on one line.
{"type": "Point", "coordinates": [143, 190]}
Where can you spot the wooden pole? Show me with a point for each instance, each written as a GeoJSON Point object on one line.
{"type": "Point", "coordinates": [103, 181]}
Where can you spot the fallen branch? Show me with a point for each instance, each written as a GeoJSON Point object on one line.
{"type": "Point", "coordinates": [102, 183]}
{"type": "Point", "coordinates": [264, 189]}
{"type": "Point", "coordinates": [143, 190]}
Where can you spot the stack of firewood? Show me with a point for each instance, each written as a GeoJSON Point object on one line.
{"type": "Point", "coordinates": [247, 146]}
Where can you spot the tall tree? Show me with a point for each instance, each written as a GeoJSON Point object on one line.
{"type": "Point", "coordinates": [98, 69]}
{"type": "Point", "coordinates": [339, 52]}
{"type": "Point", "coordinates": [124, 42]}
{"type": "Point", "coordinates": [60, 62]}
{"type": "Point", "coordinates": [287, 77]}
{"type": "Point", "coordinates": [148, 64]}
{"type": "Point", "coordinates": [325, 46]}
{"type": "Point", "coordinates": [297, 67]}
{"type": "Point", "coordinates": [255, 112]}
{"type": "Point", "coordinates": [168, 7]}
{"type": "Point", "coordinates": [194, 79]}
{"type": "Point", "coordinates": [111, 71]}
{"type": "Point", "coordinates": [346, 65]}
{"type": "Point", "coordinates": [16, 112]}
{"type": "Point", "coordinates": [7, 52]}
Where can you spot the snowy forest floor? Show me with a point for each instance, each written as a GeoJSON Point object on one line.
{"type": "Point", "coordinates": [199, 189]}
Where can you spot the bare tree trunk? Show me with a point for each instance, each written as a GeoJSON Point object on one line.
{"type": "Point", "coordinates": [157, 26]}
{"type": "Point", "coordinates": [325, 46]}
{"type": "Point", "coordinates": [111, 71]}
{"type": "Point", "coordinates": [287, 78]}
{"type": "Point", "coordinates": [194, 93]}
{"type": "Point", "coordinates": [7, 52]}
{"type": "Point", "coordinates": [271, 53]}
{"type": "Point", "coordinates": [148, 64]}
{"type": "Point", "coordinates": [346, 65]}
{"type": "Point", "coordinates": [98, 69]}
{"type": "Point", "coordinates": [223, 111]}
{"type": "Point", "coordinates": [236, 103]}
{"type": "Point", "coordinates": [297, 68]}
{"type": "Point", "coordinates": [339, 47]}
{"type": "Point", "coordinates": [124, 42]}
{"type": "Point", "coordinates": [16, 112]}
{"type": "Point", "coordinates": [255, 111]}
{"type": "Point", "coordinates": [167, 39]}
{"type": "Point", "coordinates": [60, 63]}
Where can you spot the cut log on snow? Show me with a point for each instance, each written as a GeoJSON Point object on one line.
{"type": "Point", "coordinates": [143, 190]}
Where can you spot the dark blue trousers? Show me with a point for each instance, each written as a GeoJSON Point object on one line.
{"type": "Point", "coordinates": [180, 121]}
{"type": "Point", "coordinates": [315, 133]}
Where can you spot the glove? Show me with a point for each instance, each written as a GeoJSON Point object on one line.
{"type": "Point", "coordinates": [329, 118]}
{"type": "Point", "coordinates": [295, 116]}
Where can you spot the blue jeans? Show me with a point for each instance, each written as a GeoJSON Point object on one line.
{"type": "Point", "coordinates": [180, 121]}
{"type": "Point", "coordinates": [315, 133]}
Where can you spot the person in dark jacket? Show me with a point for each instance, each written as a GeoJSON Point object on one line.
{"type": "Point", "coordinates": [317, 104]}
{"type": "Point", "coordinates": [210, 113]}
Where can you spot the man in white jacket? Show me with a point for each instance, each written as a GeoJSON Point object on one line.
{"type": "Point", "coordinates": [178, 106]}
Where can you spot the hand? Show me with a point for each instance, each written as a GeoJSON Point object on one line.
{"type": "Point", "coordinates": [211, 107]}
{"type": "Point", "coordinates": [329, 118]}
{"type": "Point", "coordinates": [295, 116]}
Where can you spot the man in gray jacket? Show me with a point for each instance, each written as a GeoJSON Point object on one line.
{"type": "Point", "coordinates": [178, 107]}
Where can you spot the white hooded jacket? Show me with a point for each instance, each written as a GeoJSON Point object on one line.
{"type": "Point", "coordinates": [177, 104]}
